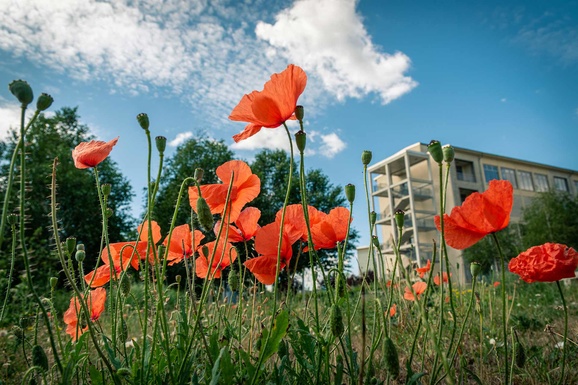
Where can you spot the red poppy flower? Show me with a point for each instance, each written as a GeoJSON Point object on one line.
{"type": "Point", "coordinates": [221, 257]}
{"type": "Point", "coordinates": [246, 187]}
{"type": "Point", "coordinates": [273, 106]}
{"type": "Point", "coordinates": [392, 310]}
{"type": "Point", "coordinates": [496, 284]}
{"type": "Point", "coordinates": [422, 270]}
{"type": "Point", "coordinates": [418, 288]}
{"type": "Point", "coordinates": [445, 278]}
{"type": "Point", "coordinates": [246, 226]}
{"type": "Point", "coordinates": [183, 244]}
{"type": "Point", "coordinates": [95, 303]}
{"type": "Point", "coordinates": [295, 220]}
{"type": "Point", "coordinates": [90, 154]}
{"type": "Point", "coordinates": [545, 263]}
{"type": "Point", "coordinates": [331, 230]}
{"type": "Point", "coordinates": [480, 214]}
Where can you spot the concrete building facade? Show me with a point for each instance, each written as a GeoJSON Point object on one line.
{"type": "Point", "coordinates": [409, 181]}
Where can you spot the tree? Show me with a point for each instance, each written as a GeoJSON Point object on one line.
{"type": "Point", "coordinates": [486, 253]}
{"type": "Point", "coordinates": [78, 205]}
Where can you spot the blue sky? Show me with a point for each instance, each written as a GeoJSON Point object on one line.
{"type": "Point", "coordinates": [499, 77]}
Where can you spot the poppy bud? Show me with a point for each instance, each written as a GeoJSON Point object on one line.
{"type": "Point", "coordinates": [161, 143]}
{"type": "Point", "coordinates": [143, 120]}
{"type": "Point", "coordinates": [125, 286]}
{"type": "Point", "coordinates": [301, 140]}
{"type": "Point", "coordinates": [23, 92]}
{"type": "Point", "coordinates": [123, 331]}
{"type": "Point", "coordinates": [12, 219]}
{"type": "Point", "coordinates": [124, 372]}
{"type": "Point", "coordinates": [375, 241]}
{"type": "Point", "coordinates": [204, 214]}
{"type": "Point", "coordinates": [299, 113]}
{"type": "Point", "coordinates": [366, 157]}
{"type": "Point", "coordinates": [391, 358]}
{"type": "Point", "coordinates": [336, 321]}
{"type": "Point", "coordinates": [80, 255]}
{"type": "Point", "coordinates": [233, 280]}
{"type": "Point", "coordinates": [399, 218]}
{"type": "Point", "coordinates": [44, 102]}
{"type": "Point", "coordinates": [178, 279]}
{"type": "Point", "coordinates": [39, 357]}
{"type": "Point", "coordinates": [199, 172]}
{"type": "Point", "coordinates": [372, 217]}
{"type": "Point", "coordinates": [161, 251]}
{"type": "Point", "coordinates": [53, 282]}
{"type": "Point", "coordinates": [18, 332]}
{"type": "Point", "coordinates": [109, 212]}
{"type": "Point", "coordinates": [106, 189]}
{"type": "Point", "coordinates": [70, 245]}
{"type": "Point", "coordinates": [350, 192]}
{"type": "Point", "coordinates": [475, 269]}
{"type": "Point", "coordinates": [448, 152]}
{"type": "Point", "coordinates": [435, 149]}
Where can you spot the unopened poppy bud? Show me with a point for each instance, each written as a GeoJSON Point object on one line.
{"type": "Point", "coordinates": [39, 357]}
{"type": "Point", "coordinates": [204, 214]}
{"type": "Point", "coordinates": [199, 172]}
{"type": "Point", "coordinates": [375, 241]}
{"type": "Point", "coordinates": [53, 283]}
{"type": "Point", "coordinates": [475, 269]}
{"type": "Point", "coordinates": [435, 149]}
{"type": "Point", "coordinates": [299, 113]}
{"type": "Point", "coordinates": [399, 218]}
{"type": "Point", "coordinates": [161, 143]}
{"type": "Point", "coordinates": [18, 332]}
{"type": "Point", "coordinates": [44, 102]}
{"type": "Point", "coordinates": [143, 120]}
{"type": "Point", "coordinates": [366, 156]}
{"type": "Point", "coordinates": [178, 279]}
{"type": "Point", "coordinates": [449, 153]}
{"type": "Point", "coordinates": [350, 192]}
{"type": "Point", "coordinates": [109, 212]}
{"type": "Point", "coordinates": [233, 280]}
{"type": "Point", "coordinates": [336, 321]}
{"type": "Point", "coordinates": [23, 92]}
{"type": "Point", "coordinates": [125, 286]}
{"type": "Point", "coordinates": [70, 245]}
{"type": "Point", "coordinates": [12, 219]}
{"type": "Point", "coordinates": [301, 140]}
{"type": "Point", "coordinates": [372, 217]}
{"type": "Point", "coordinates": [80, 255]}
{"type": "Point", "coordinates": [106, 188]}
{"type": "Point", "coordinates": [124, 372]}
{"type": "Point", "coordinates": [391, 358]}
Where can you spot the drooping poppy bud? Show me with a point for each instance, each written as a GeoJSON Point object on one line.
{"type": "Point", "coordinates": [143, 120]}
{"type": "Point", "coordinates": [399, 218]}
{"type": "Point", "coordinates": [109, 212]}
{"type": "Point", "coordinates": [299, 113]}
{"type": "Point", "coordinates": [23, 92]}
{"type": "Point", "coordinates": [204, 214]}
{"type": "Point", "coordinates": [449, 153]}
{"type": "Point", "coordinates": [39, 357]}
{"type": "Point", "coordinates": [366, 156]}
{"type": "Point", "coordinates": [125, 286]}
{"type": "Point", "coordinates": [336, 321]}
{"type": "Point", "coordinates": [161, 143]}
{"type": "Point", "coordinates": [435, 149]}
{"type": "Point", "coordinates": [391, 358]}
{"type": "Point", "coordinates": [233, 280]}
{"type": "Point", "coordinates": [44, 102]}
{"type": "Point", "coordinates": [178, 279]}
{"type": "Point", "coordinates": [350, 192]}
{"type": "Point", "coordinates": [301, 140]}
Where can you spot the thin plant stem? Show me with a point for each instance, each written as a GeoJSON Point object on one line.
{"type": "Point", "coordinates": [504, 308]}
{"type": "Point", "coordinates": [564, 347]}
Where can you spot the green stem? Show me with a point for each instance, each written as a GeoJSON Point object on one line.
{"type": "Point", "coordinates": [564, 348]}
{"type": "Point", "coordinates": [504, 309]}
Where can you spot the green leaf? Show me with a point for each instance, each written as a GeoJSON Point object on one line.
{"type": "Point", "coordinates": [277, 333]}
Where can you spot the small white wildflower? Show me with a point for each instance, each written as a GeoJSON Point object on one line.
{"type": "Point", "coordinates": [492, 341]}
{"type": "Point", "coordinates": [559, 345]}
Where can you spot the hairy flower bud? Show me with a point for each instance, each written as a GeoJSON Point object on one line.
{"type": "Point", "coordinates": [143, 120]}
{"type": "Point", "coordinates": [53, 283]}
{"type": "Point", "coordinates": [233, 280]}
{"type": "Point", "coordinates": [109, 212]}
{"type": "Point", "coordinates": [336, 321]}
{"type": "Point", "coordinates": [204, 214]}
{"type": "Point", "coordinates": [70, 245]}
{"type": "Point", "coordinates": [301, 140]}
{"type": "Point", "coordinates": [39, 357]}
{"type": "Point", "coordinates": [449, 153]}
{"type": "Point", "coordinates": [435, 149]}
{"type": "Point", "coordinates": [391, 358]}
{"type": "Point", "coordinates": [23, 92]}
{"type": "Point", "coordinates": [372, 217]}
{"type": "Point", "coordinates": [106, 188]}
{"type": "Point", "coordinates": [161, 143]}
{"type": "Point", "coordinates": [125, 286]}
{"type": "Point", "coordinates": [161, 251]}
{"type": "Point", "coordinates": [44, 102]}
{"type": "Point", "coordinates": [366, 156]}
{"type": "Point", "coordinates": [350, 192]}
{"type": "Point", "coordinates": [299, 113]}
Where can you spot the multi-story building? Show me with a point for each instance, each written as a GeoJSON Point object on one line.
{"type": "Point", "coordinates": [409, 181]}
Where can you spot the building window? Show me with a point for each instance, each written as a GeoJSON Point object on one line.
{"type": "Point", "coordinates": [491, 172]}
{"type": "Point", "coordinates": [525, 179]}
{"type": "Point", "coordinates": [560, 184]}
{"type": "Point", "coordinates": [465, 171]}
{"type": "Point", "coordinates": [464, 193]}
{"type": "Point", "coordinates": [541, 182]}
{"type": "Point", "coordinates": [509, 174]}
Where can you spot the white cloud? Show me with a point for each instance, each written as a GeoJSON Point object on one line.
{"type": "Point", "coordinates": [328, 38]}
{"type": "Point", "coordinates": [332, 145]}
{"type": "Point", "coordinates": [9, 117]}
{"type": "Point", "coordinates": [181, 138]}
{"type": "Point", "coordinates": [273, 139]}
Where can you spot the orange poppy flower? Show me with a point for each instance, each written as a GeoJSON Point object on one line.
{"type": "Point", "coordinates": [545, 263]}
{"type": "Point", "coordinates": [223, 256]}
{"type": "Point", "coordinates": [295, 220]}
{"type": "Point", "coordinates": [273, 106]}
{"type": "Point", "coordinates": [90, 154]}
{"type": "Point", "coordinates": [480, 214]}
{"type": "Point", "coordinates": [331, 230]}
{"type": "Point", "coordinates": [392, 310]}
{"type": "Point", "coordinates": [418, 288]}
{"type": "Point", "coordinates": [183, 244]}
{"type": "Point", "coordinates": [246, 226]}
{"type": "Point", "coordinates": [264, 267]}
{"type": "Point", "coordinates": [422, 270]}
{"type": "Point", "coordinates": [496, 284]}
{"type": "Point", "coordinates": [246, 187]}
{"type": "Point", "coordinates": [445, 278]}
{"type": "Point", "coordinates": [95, 303]}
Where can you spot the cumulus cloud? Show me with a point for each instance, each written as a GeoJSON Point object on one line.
{"type": "Point", "coordinates": [9, 117]}
{"type": "Point", "coordinates": [332, 145]}
{"type": "Point", "coordinates": [328, 38]}
{"type": "Point", "coordinates": [181, 138]}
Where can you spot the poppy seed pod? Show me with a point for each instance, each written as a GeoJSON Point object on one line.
{"type": "Point", "coordinates": [375, 242]}
{"type": "Point", "coordinates": [12, 219]}
{"type": "Point", "coordinates": [161, 143]}
{"type": "Point", "coordinates": [204, 214]}
{"type": "Point", "coordinates": [299, 113]}
{"type": "Point", "coordinates": [475, 269]}
{"type": "Point", "coordinates": [350, 192]}
{"type": "Point", "coordinates": [70, 245]}
{"type": "Point", "coordinates": [53, 282]}
{"type": "Point", "coordinates": [435, 149]}
{"type": "Point", "coordinates": [399, 218]}
{"type": "Point", "coordinates": [301, 140]}
{"type": "Point", "coordinates": [178, 279]}
{"type": "Point", "coordinates": [44, 102]}
{"type": "Point", "coordinates": [448, 152]}
{"type": "Point", "coordinates": [80, 255]}
{"type": "Point", "coordinates": [23, 92]}
{"type": "Point", "coordinates": [143, 120]}
{"type": "Point", "coordinates": [366, 157]}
